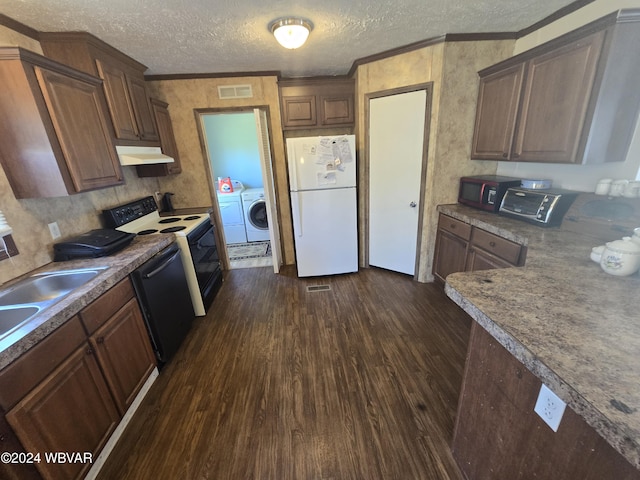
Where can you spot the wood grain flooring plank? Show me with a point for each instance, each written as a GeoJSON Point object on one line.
{"type": "Point", "coordinates": [357, 382]}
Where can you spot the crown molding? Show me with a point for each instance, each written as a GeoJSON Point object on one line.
{"type": "Point", "coordinates": [19, 27]}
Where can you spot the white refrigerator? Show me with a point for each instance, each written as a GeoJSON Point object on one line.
{"type": "Point", "coordinates": [322, 176]}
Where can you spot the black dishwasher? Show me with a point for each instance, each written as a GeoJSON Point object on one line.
{"type": "Point", "coordinates": [163, 294]}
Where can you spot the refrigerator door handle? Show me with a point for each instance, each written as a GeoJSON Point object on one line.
{"type": "Point", "coordinates": [296, 208]}
{"type": "Point", "coordinates": [293, 159]}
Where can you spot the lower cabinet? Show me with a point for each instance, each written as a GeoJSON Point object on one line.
{"type": "Point", "coordinates": [452, 242]}
{"type": "Point", "coordinates": [123, 351]}
{"type": "Point", "coordinates": [68, 393]}
{"type": "Point", "coordinates": [497, 434]}
{"type": "Point", "coordinates": [70, 411]}
{"type": "Point", "coordinates": [461, 247]}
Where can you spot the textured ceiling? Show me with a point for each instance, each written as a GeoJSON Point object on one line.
{"type": "Point", "coordinates": [205, 36]}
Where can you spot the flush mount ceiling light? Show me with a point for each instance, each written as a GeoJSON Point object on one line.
{"type": "Point", "coordinates": [291, 32]}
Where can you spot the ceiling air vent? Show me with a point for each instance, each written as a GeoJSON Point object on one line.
{"type": "Point", "coordinates": [227, 92]}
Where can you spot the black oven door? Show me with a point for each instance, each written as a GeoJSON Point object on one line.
{"type": "Point", "coordinates": [206, 261]}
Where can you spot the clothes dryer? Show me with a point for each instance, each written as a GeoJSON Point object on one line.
{"type": "Point", "coordinates": [255, 215]}
{"type": "Point", "coordinates": [232, 215]}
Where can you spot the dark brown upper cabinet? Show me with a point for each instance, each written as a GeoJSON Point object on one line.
{"type": "Point", "coordinates": [317, 103]}
{"type": "Point", "coordinates": [571, 100]}
{"type": "Point", "coordinates": [167, 144]}
{"type": "Point", "coordinates": [124, 86]}
{"type": "Point", "coordinates": [56, 136]}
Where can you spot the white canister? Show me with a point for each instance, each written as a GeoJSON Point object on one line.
{"type": "Point", "coordinates": [596, 253]}
{"type": "Point", "coordinates": [632, 190]}
{"type": "Point", "coordinates": [617, 188]}
{"type": "Point", "coordinates": [621, 257]}
{"type": "Point", "coordinates": [603, 186]}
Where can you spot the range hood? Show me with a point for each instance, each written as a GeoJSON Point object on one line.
{"type": "Point", "coordinates": [141, 156]}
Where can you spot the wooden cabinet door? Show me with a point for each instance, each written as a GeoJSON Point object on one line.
{"type": "Point", "coordinates": [167, 144]}
{"type": "Point", "coordinates": [70, 411]}
{"type": "Point", "coordinates": [336, 110]}
{"type": "Point", "coordinates": [450, 255]}
{"type": "Point", "coordinates": [77, 112]}
{"type": "Point", "coordinates": [167, 136]}
{"type": "Point", "coordinates": [478, 259]}
{"type": "Point", "coordinates": [119, 101]}
{"type": "Point", "coordinates": [556, 97]}
{"type": "Point", "coordinates": [142, 109]}
{"type": "Point", "coordinates": [498, 100]}
{"type": "Point", "coordinates": [10, 443]}
{"type": "Point", "coordinates": [124, 352]}
{"type": "Point", "coordinates": [299, 111]}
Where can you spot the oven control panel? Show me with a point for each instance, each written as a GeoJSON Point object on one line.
{"type": "Point", "coordinates": [118, 216]}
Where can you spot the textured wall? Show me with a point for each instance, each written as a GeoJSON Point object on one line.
{"type": "Point", "coordinates": [452, 67]}
{"type": "Point", "coordinates": [76, 214]}
{"type": "Point", "coordinates": [454, 133]}
{"type": "Point", "coordinates": [192, 186]}
{"type": "Point", "coordinates": [416, 67]}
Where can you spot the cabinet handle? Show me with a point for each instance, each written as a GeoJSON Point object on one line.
{"type": "Point", "coordinates": [452, 226]}
{"type": "Point", "coordinates": [2, 438]}
{"type": "Point", "coordinates": [100, 340]}
{"type": "Point", "coordinates": [492, 244]}
{"type": "Point", "coordinates": [89, 351]}
{"type": "Point", "coordinates": [505, 155]}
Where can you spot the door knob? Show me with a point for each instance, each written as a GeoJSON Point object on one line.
{"type": "Point", "coordinates": [413, 204]}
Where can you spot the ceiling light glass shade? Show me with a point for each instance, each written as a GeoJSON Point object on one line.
{"type": "Point", "coordinates": [291, 32]}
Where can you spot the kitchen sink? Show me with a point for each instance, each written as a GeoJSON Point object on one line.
{"type": "Point", "coordinates": [11, 317]}
{"type": "Point", "coordinates": [23, 300]}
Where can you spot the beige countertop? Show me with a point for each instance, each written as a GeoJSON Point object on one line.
{"type": "Point", "coordinates": [571, 324]}
{"type": "Point", "coordinates": [119, 266]}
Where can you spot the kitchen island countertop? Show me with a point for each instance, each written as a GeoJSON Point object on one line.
{"type": "Point", "coordinates": [119, 266]}
{"type": "Point", "coordinates": [571, 324]}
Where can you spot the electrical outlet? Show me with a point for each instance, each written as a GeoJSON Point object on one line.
{"type": "Point", "coordinates": [55, 230]}
{"type": "Point", "coordinates": [549, 407]}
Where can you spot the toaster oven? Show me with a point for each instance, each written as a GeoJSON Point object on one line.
{"type": "Point", "coordinates": [540, 207]}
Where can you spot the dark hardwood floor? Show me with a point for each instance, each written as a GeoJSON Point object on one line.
{"type": "Point", "coordinates": [358, 382]}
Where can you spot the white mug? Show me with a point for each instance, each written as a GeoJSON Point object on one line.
{"type": "Point", "coordinates": [603, 186]}
{"type": "Point", "coordinates": [617, 187]}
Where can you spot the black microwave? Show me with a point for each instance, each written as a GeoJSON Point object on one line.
{"type": "Point", "coordinates": [485, 191]}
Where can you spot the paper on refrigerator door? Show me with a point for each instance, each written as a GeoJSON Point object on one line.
{"type": "Point", "coordinates": [342, 150]}
{"type": "Point", "coordinates": [328, 178]}
{"type": "Point", "coordinates": [325, 151]}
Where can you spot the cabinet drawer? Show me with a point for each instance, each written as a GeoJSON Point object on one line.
{"type": "Point", "coordinates": [498, 246]}
{"type": "Point", "coordinates": [454, 226]}
{"type": "Point", "coordinates": [31, 368]}
{"type": "Point", "coordinates": [95, 314]}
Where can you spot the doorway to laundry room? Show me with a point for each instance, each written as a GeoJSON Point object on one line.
{"type": "Point", "coordinates": [239, 159]}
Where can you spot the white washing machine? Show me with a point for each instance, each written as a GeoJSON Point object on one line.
{"type": "Point", "coordinates": [255, 215]}
{"type": "Point", "coordinates": [232, 215]}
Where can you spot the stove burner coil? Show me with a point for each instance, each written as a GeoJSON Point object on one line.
{"type": "Point", "coordinates": [169, 220]}
{"type": "Point", "coordinates": [173, 229]}
{"type": "Point", "coordinates": [147, 232]}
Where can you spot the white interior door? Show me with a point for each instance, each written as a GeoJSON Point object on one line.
{"type": "Point", "coordinates": [269, 187]}
{"type": "Point", "coordinates": [396, 145]}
